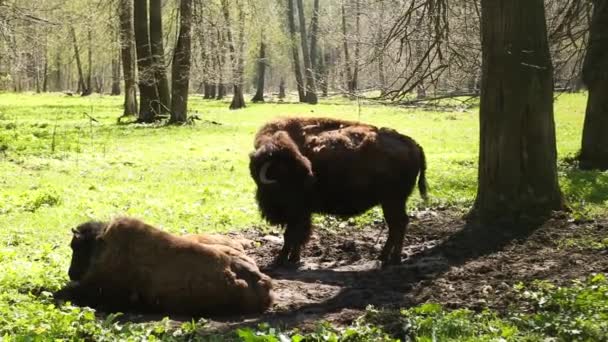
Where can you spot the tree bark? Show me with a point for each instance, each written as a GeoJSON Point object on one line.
{"type": "Point", "coordinates": [517, 157]}
{"type": "Point", "coordinates": [594, 150]}
{"type": "Point", "coordinates": [311, 87]}
{"type": "Point", "coordinates": [181, 65]}
{"type": "Point", "coordinates": [149, 103]}
{"type": "Point", "coordinates": [261, 73]}
{"type": "Point", "coordinates": [158, 54]}
{"type": "Point", "coordinates": [294, 51]}
{"type": "Point", "coordinates": [126, 34]}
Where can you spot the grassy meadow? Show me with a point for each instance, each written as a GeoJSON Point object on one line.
{"type": "Point", "coordinates": [65, 160]}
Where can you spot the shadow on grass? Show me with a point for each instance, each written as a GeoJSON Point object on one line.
{"type": "Point", "coordinates": [587, 186]}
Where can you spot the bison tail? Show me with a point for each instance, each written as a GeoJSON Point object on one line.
{"type": "Point", "coordinates": [422, 184]}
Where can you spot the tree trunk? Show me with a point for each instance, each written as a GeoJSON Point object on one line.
{"type": "Point", "coordinates": [380, 50]}
{"type": "Point", "coordinates": [89, 80]}
{"type": "Point", "coordinates": [127, 54]}
{"type": "Point", "coordinates": [238, 100]}
{"type": "Point", "coordinates": [517, 157]}
{"type": "Point", "coordinates": [57, 79]}
{"type": "Point", "coordinates": [221, 62]}
{"type": "Point", "coordinates": [314, 36]}
{"type": "Point", "coordinates": [115, 76]}
{"type": "Point", "coordinates": [158, 54]}
{"type": "Point", "coordinates": [347, 66]}
{"type": "Point", "coordinates": [181, 65]}
{"type": "Point", "coordinates": [81, 84]}
{"type": "Point", "coordinates": [354, 86]}
{"type": "Point", "coordinates": [149, 103]}
{"type": "Point", "coordinates": [311, 87]}
{"type": "Point", "coordinates": [281, 89]}
{"type": "Point", "coordinates": [259, 94]}
{"type": "Point", "coordinates": [594, 151]}
{"type": "Point", "coordinates": [294, 51]}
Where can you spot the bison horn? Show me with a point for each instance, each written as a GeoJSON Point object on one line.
{"type": "Point", "coordinates": [263, 178]}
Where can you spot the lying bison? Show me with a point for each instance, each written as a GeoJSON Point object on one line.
{"type": "Point", "coordinates": [128, 265]}
{"type": "Point", "coordinates": [315, 165]}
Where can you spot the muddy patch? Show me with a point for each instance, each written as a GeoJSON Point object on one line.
{"type": "Point", "coordinates": [444, 261]}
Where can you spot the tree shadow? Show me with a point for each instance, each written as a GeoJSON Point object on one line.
{"type": "Point", "coordinates": [587, 186]}
{"type": "Point", "coordinates": [393, 287]}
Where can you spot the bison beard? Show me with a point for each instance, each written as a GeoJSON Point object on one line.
{"type": "Point", "coordinates": [127, 265]}
{"type": "Point", "coordinates": [314, 165]}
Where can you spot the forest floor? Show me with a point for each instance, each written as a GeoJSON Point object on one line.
{"type": "Point", "coordinates": [65, 160]}
{"type": "Point", "coordinates": [446, 261]}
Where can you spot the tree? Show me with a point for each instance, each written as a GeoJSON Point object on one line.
{"type": "Point", "coordinates": [238, 100]}
{"type": "Point", "coordinates": [259, 94]}
{"type": "Point", "coordinates": [517, 157]}
{"type": "Point", "coordinates": [594, 151]}
{"type": "Point", "coordinates": [294, 51]}
{"type": "Point", "coordinates": [158, 54]}
{"type": "Point", "coordinates": [311, 87]}
{"type": "Point", "coordinates": [125, 15]}
{"type": "Point", "coordinates": [181, 64]}
{"type": "Point", "coordinates": [348, 72]}
{"type": "Point", "coordinates": [82, 86]}
{"type": "Point", "coordinates": [149, 103]}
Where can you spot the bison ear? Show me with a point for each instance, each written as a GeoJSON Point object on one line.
{"type": "Point", "coordinates": [76, 233]}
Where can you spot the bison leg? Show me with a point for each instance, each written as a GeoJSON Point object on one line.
{"type": "Point", "coordinates": [397, 220]}
{"type": "Point", "coordinates": [295, 237]}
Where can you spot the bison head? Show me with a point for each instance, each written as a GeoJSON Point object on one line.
{"type": "Point", "coordinates": [278, 161]}
{"type": "Point", "coordinates": [85, 244]}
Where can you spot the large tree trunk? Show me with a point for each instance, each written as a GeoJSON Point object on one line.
{"type": "Point", "coordinates": [158, 54]}
{"type": "Point", "coordinates": [181, 64]}
{"type": "Point", "coordinates": [294, 51]}
{"type": "Point", "coordinates": [311, 87]}
{"type": "Point", "coordinates": [81, 84]}
{"type": "Point", "coordinates": [149, 103]}
{"type": "Point", "coordinates": [594, 151]}
{"type": "Point", "coordinates": [517, 157]}
{"type": "Point", "coordinates": [259, 94]}
{"type": "Point", "coordinates": [127, 54]}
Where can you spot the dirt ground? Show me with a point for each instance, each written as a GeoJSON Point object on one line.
{"type": "Point", "coordinates": [444, 261]}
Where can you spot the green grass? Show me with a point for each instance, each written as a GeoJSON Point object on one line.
{"type": "Point", "coordinates": [58, 168]}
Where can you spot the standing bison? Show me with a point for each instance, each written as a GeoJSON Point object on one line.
{"type": "Point", "coordinates": [315, 165]}
{"type": "Point", "coordinates": [129, 265]}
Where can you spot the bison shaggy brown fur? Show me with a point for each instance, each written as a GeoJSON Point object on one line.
{"type": "Point", "coordinates": [129, 265]}
{"type": "Point", "coordinates": [317, 165]}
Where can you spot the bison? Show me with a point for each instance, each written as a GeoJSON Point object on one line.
{"type": "Point", "coordinates": [128, 265]}
{"type": "Point", "coordinates": [303, 166]}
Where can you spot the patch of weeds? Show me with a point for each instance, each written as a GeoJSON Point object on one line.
{"type": "Point", "coordinates": [360, 331]}
{"type": "Point", "coordinates": [32, 201]}
{"type": "Point", "coordinates": [575, 313]}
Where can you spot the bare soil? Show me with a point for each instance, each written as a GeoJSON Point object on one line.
{"type": "Point", "coordinates": [445, 260]}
